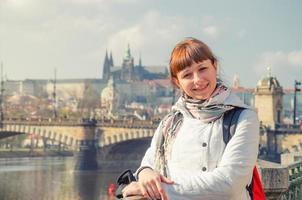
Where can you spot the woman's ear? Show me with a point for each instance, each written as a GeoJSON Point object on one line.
{"type": "Point", "coordinates": [175, 81]}
{"type": "Point", "coordinates": [215, 64]}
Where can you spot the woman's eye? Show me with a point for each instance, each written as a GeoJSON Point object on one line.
{"type": "Point", "coordinates": [186, 75]}
{"type": "Point", "coordinates": [202, 68]}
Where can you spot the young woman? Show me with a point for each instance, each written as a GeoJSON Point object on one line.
{"type": "Point", "coordinates": [192, 161]}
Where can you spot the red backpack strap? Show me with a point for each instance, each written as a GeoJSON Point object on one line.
{"type": "Point", "coordinates": [255, 188]}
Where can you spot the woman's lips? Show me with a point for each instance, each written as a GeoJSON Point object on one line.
{"type": "Point", "coordinates": [199, 88]}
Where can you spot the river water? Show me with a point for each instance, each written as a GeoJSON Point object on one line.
{"type": "Point", "coordinates": [51, 179]}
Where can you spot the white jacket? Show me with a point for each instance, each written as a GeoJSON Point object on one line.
{"type": "Point", "coordinates": [202, 167]}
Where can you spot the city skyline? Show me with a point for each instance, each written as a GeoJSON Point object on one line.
{"type": "Point", "coordinates": [73, 35]}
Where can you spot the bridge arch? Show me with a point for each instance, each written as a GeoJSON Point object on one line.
{"type": "Point", "coordinates": [7, 134]}
{"type": "Point", "coordinates": [126, 150]}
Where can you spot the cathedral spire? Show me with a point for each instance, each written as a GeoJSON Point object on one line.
{"type": "Point", "coordinates": [128, 52]}
{"type": "Point", "coordinates": [127, 72]}
{"type": "Point", "coordinates": [106, 67]}
{"type": "Point", "coordinates": [106, 56]}
{"type": "Point", "coordinates": [140, 60]}
{"type": "Point", "coordinates": [111, 59]}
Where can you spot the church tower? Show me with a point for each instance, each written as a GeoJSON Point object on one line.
{"type": "Point", "coordinates": [269, 100]}
{"type": "Point", "coordinates": [110, 99]}
{"type": "Point", "coordinates": [108, 63]}
{"type": "Point", "coordinates": [111, 60]}
{"type": "Point", "coordinates": [236, 81]}
{"type": "Point", "coordinates": [127, 72]}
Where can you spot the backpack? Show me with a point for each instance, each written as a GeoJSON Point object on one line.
{"type": "Point", "coordinates": [230, 120]}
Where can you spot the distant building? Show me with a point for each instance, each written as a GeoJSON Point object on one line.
{"type": "Point", "coordinates": [269, 101]}
{"type": "Point", "coordinates": [248, 95]}
{"type": "Point", "coordinates": [25, 87]}
{"type": "Point", "coordinates": [110, 97]}
{"type": "Point", "coordinates": [129, 72]}
{"type": "Point", "coordinates": [149, 86]}
{"type": "Point", "coordinates": [245, 94]}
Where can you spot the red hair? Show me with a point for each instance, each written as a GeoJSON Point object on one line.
{"type": "Point", "coordinates": [186, 52]}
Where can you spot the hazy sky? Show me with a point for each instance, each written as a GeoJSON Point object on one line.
{"type": "Point", "coordinates": [37, 36]}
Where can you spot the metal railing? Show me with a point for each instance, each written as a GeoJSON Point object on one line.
{"type": "Point", "coordinates": [294, 191]}
{"type": "Point", "coordinates": [149, 124]}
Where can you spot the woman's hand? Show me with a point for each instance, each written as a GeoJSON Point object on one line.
{"type": "Point", "coordinates": [133, 189]}
{"type": "Point", "coordinates": [150, 183]}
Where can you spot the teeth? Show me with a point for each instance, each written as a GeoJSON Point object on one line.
{"type": "Point", "coordinates": [201, 88]}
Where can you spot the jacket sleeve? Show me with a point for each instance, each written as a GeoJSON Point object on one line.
{"type": "Point", "coordinates": [149, 157]}
{"type": "Point", "coordinates": [233, 172]}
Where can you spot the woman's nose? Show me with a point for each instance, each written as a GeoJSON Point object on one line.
{"type": "Point", "coordinates": [196, 77]}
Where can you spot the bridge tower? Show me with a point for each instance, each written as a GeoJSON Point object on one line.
{"type": "Point", "coordinates": [268, 103]}
{"type": "Point", "coordinates": [268, 100]}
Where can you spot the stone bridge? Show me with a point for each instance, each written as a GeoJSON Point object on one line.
{"type": "Point", "coordinates": [91, 140]}
{"type": "Point", "coordinates": [112, 132]}
{"type": "Point", "coordinates": [279, 181]}
{"type": "Point", "coordinates": [75, 134]}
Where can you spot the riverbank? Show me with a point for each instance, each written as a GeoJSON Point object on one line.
{"type": "Point", "coordinates": [21, 153]}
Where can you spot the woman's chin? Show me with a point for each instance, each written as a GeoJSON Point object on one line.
{"type": "Point", "coordinates": [200, 95]}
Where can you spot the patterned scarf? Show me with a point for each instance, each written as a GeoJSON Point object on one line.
{"type": "Point", "coordinates": [205, 110]}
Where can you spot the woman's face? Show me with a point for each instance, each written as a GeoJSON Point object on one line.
{"type": "Point", "coordinates": [198, 80]}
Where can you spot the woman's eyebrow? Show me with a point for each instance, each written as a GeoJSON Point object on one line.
{"type": "Point", "coordinates": [201, 65]}
{"type": "Point", "coordinates": [185, 70]}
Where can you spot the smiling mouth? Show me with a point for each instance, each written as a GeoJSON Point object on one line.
{"type": "Point", "coordinates": [201, 88]}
